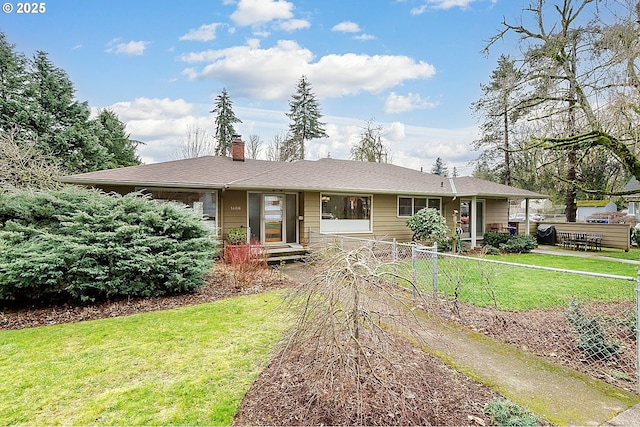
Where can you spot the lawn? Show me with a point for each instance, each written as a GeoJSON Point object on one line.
{"type": "Point", "coordinates": [187, 366]}
{"type": "Point", "coordinates": [520, 288]}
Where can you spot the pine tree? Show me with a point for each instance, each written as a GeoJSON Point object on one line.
{"type": "Point", "coordinates": [112, 136]}
{"type": "Point", "coordinates": [38, 105]}
{"type": "Point", "coordinates": [439, 168]}
{"type": "Point", "coordinates": [225, 118]}
{"type": "Point", "coordinates": [305, 117]}
{"type": "Point", "coordinates": [60, 123]}
{"type": "Point", "coordinates": [500, 109]}
{"type": "Point", "coordinates": [13, 78]}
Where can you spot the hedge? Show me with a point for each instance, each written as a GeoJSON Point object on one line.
{"type": "Point", "coordinates": [87, 245]}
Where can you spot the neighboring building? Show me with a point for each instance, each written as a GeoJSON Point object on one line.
{"type": "Point", "coordinates": [587, 208]}
{"type": "Point", "coordinates": [281, 201]}
{"type": "Point", "coordinates": [634, 198]}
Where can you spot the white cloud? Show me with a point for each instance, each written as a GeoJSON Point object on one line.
{"type": "Point", "coordinates": [294, 25]}
{"type": "Point", "coordinates": [442, 4]}
{"type": "Point", "coordinates": [271, 73]}
{"type": "Point", "coordinates": [152, 108]}
{"type": "Point", "coordinates": [346, 27]}
{"type": "Point", "coordinates": [204, 33]}
{"type": "Point", "coordinates": [397, 103]}
{"type": "Point", "coordinates": [395, 131]}
{"type": "Point", "coordinates": [364, 37]}
{"type": "Point", "coordinates": [129, 48]}
{"type": "Point", "coordinates": [162, 124]}
{"type": "Point", "coordinates": [254, 12]}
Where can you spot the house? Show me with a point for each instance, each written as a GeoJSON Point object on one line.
{"type": "Point", "coordinates": [587, 208]}
{"type": "Point", "coordinates": [633, 198]}
{"type": "Point", "coordinates": [281, 201]}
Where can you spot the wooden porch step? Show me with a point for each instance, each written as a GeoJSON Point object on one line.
{"type": "Point", "coordinates": [285, 253]}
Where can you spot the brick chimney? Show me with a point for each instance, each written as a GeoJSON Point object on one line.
{"type": "Point", "coordinates": [237, 148]}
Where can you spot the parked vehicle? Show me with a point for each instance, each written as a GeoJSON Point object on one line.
{"type": "Point", "coordinates": [536, 217]}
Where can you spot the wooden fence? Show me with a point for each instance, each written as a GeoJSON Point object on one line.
{"type": "Point", "coordinates": [613, 235]}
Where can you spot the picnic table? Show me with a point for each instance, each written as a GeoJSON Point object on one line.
{"type": "Point", "coordinates": [580, 240]}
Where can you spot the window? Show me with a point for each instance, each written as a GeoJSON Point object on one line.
{"type": "Point", "coordinates": [203, 202]}
{"type": "Point", "coordinates": [408, 206]}
{"type": "Point", "coordinates": [345, 213]}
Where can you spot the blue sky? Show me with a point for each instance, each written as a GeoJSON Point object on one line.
{"type": "Point", "coordinates": [413, 66]}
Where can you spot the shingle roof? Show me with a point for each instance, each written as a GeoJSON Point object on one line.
{"type": "Point", "coordinates": [320, 175]}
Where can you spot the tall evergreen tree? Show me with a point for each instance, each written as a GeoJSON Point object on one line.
{"type": "Point", "coordinates": [113, 137]}
{"type": "Point", "coordinates": [304, 113]}
{"type": "Point", "coordinates": [439, 168]}
{"type": "Point", "coordinates": [61, 123]}
{"type": "Point", "coordinates": [13, 80]}
{"type": "Point", "coordinates": [500, 107]}
{"type": "Point", "coordinates": [225, 118]}
{"type": "Point", "coordinates": [38, 105]}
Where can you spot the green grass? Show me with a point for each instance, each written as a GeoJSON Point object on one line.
{"type": "Point", "coordinates": [520, 288]}
{"type": "Point", "coordinates": [594, 265]}
{"type": "Point", "coordinates": [188, 366]}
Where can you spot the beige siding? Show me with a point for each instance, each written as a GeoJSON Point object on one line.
{"type": "Point", "coordinates": [233, 210]}
{"type": "Point", "coordinates": [496, 210]}
{"type": "Point", "coordinates": [311, 215]}
{"type": "Point", "coordinates": [386, 223]}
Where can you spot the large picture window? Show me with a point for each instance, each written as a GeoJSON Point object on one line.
{"type": "Point", "coordinates": [407, 206]}
{"type": "Point", "coordinates": [202, 202]}
{"type": "Point", "coordinates": [345, 213]}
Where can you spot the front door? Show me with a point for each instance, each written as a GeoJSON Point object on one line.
{"type": "Point", "coordinates": [273, 218]}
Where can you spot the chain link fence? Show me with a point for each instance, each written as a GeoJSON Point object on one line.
{"type": "Point", "coordinates": [587, 321]}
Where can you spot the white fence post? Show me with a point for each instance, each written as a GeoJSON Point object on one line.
{"type": "Point", "coordinates": [394, 250]}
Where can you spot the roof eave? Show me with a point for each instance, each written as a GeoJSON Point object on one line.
{"type": "Point", "coordinates": [109, 182]}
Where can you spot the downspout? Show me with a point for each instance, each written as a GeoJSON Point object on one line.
{"type": "Point", "coordinates": [453, 189]}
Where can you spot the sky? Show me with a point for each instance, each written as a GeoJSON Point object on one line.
{"type": "Point", "coordinates": [412, 67]}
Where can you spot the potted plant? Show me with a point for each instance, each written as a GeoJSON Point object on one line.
{"type": "Point", "coordinates": [236, 244]}
{"type": "Point", "coordinates": [237, 236]}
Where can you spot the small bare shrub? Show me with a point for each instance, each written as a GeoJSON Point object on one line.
{"type": "Point", "coordinates": [347, 335]}
{"type": "Point", "coordinates": [247, 261]}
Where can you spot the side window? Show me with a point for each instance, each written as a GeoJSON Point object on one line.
{"type": "Point", "coordinates": [419, 203]}
{"type": "Point", "coordinates": [404, 206]}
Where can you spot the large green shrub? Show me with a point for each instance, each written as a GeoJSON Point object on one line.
{"type": "Point", "coordinates": [519, 244]}
{"type": "Point", "coordinates": [87, 245]}
{"type": "Point", "coordinates": [429, 226]}
{"type": "Point", "coordinates": [495, 239]}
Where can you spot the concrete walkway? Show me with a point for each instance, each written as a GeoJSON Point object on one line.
{"type": "Point", "coordinates": [558, 394]}
{"type": "Point", "coordinates": [554, 250]}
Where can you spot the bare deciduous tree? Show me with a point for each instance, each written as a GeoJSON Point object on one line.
{"type": "Point", "coordinates": [371, 147]}
{"type": "Point", "coordinates": [197, 143]}
{"type": "Point", "coordinates": [254, 147]}
{"type": "Point", "coordinates": [283, 149]}
{"type": "Point", "coordinates": [23, 165]}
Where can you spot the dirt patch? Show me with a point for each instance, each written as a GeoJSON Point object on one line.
{"type": "Point", "coordinates": [418, 390]}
